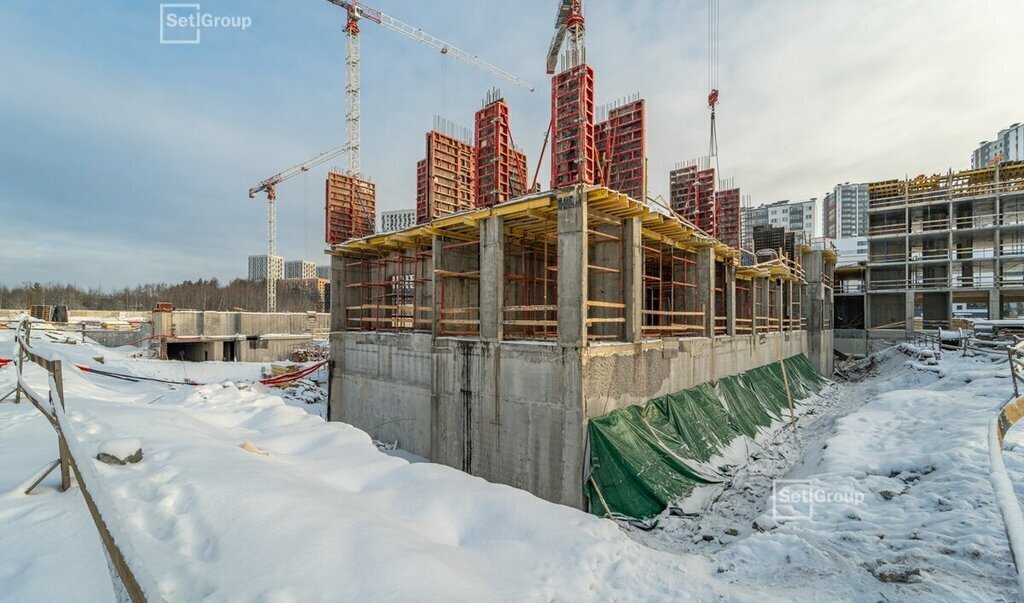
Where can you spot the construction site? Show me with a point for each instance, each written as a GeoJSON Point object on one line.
{"type": "Point", "coordinates": [489, 335]}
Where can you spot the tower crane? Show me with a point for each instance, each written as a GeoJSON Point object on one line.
{"type": "Point", "coordinates": [358, 11]}
{"type": "Point", "coordinates": [269, 186]}
{"type": "Point", "coordinates": [568, 21]}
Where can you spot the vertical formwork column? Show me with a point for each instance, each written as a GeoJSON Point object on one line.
{"type": "Point", "coordinates": [706, 288]}
{"type": "Point", "coordinates": [339, 299]}
{"type": "Point", "coordinates": [492, 278]}
{"type": "Point", "coordinates": [632, 278]}
{"type": "Point", "coordinates": [572, 268]}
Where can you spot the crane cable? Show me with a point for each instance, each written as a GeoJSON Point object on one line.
{"type": "Point", "coordinates": [713, 46]}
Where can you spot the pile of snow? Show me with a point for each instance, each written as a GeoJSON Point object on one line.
{"type": "Point", "coordinates": [242, 496]}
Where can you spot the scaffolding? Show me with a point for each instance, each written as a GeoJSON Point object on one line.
{"type": "Point", "coordinates": [387, 292]}
{"type": "Point", "coordinates": [670, 291]}
{"type": "Point", "coordinates": [427, 278]}
{"type": "Point", "coordinates": [531, 308]}
{"type": "Point", "coordinates": [457, 271]}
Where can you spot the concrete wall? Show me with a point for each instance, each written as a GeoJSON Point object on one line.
{"type": "Point", "coordinates": [259, 337]}
{"type": "Point", "coordinates": [516, 412]}
{"type": "Point", "coordinates": [617, 375]}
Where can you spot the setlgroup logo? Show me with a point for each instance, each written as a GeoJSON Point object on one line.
{"type": "Point", "coordinates": [794, 499]}
{"type": "Point", "coordinates": [184, 23]}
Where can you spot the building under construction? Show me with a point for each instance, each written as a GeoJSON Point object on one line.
{"type": "Point", "coordinates": [501, 172]}
{"type": "Point", "coordinates": [350, 209]}
{"type": "Point", "coordinates": [691, 189]}
{"type": "Point", "coordinates": [446, 177]}
{"type": "Point", "coordinates": [727, 216]}
{"type": "Point", "coordinates": [935, 241]}
{"type": "Point", "coordinates": [487, 339]}
{"type": "Point", "coordinates": [573, 148]}
{"type": "Point", "coordinates": [621, 148]}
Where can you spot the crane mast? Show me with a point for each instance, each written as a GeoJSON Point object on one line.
{"type": "Point", "coordinates": [269, 186]}
{"type": "Point", "coordinates": [358, 11]}
{"type": "Point", "coordinates": [568, 22]}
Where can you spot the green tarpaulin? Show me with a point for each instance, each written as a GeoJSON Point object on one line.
{"type": "Point", "coordinates": [643, 458]}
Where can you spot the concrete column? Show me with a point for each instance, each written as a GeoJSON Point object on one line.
{"type": "Point", "coordinates": [909, 310]}
{"type": "Point", "coordinates": [706, 288]}
{"type": "Point", "coordinates": [572, 268]}
{"type": "Point", "coordinates": [492, 278]}
{"type": "Point", "coordinates": [730, 299]}
{"type": "Point", "coordinates": [778, 302]}
{"type": "Point", "coordinates": [633, 278]}
{"type": "Point", "coordinates": [338, 290]}
{"type": "Point", "coordinates": [435, 301]}
{"type": "Point", "coordinates": [995, 307]}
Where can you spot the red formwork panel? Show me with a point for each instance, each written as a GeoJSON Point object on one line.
{"type": "Point", "coordinates": [573, 150]}
{"type": "Point", "coordinates": [350, 208]}
{"type": "Point", "coordinates": [727, 217]}
{"type": "Point", "coordinates": [692, 195]}
{"type": "Point", "coordinates": [445, 179]}
{"type": "Point", "coordinates": [622, 151]}
{"type": "Point", "coordinates": [500, 167]}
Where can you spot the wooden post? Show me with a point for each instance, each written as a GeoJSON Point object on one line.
{"type": "Point", "coordinates": [65, 470]}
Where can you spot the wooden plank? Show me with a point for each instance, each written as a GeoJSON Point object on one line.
{"type": "Point", "coordinates": [531, 323]}
{"type": "Point", "coordinates": [604, 304]}
{"type": "Point", "coordinates": [604, 320]}
{"type": "Point", "coordinates": [540, 308]}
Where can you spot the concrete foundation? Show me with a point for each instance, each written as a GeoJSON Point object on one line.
{"type": "Point", "coordinates": [196, 336]}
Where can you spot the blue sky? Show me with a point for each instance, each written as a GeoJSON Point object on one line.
{"type": "Point", "coordinates": [126, 161]}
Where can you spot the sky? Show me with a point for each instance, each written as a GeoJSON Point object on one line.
{"type": "Point", "coordinates": [124, 161]}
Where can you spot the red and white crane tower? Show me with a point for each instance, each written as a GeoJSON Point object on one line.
{"type": "Point", "coordinates": [358, 11]}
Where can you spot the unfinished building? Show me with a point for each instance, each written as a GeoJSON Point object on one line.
{"type": "Point", "coordinates": [446, 177]}
{"type": "Point", "coordinates": [622, 149]}
{"type": "Point", "coordinates": [501, 172]}
{"type": "Point", "coordinates": [486, 340]}
{"type": "Point", "coordinates": [691, 188]}
{"type": "Point", "coordinates": [727, 216]}
{"type": "Point", "coordinates": [573, 149]}
{"type": "Point", "coordinates": [935, 241]}
{"type": "Point", "coordinates": [350, 208]}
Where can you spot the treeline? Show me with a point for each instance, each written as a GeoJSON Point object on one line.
{"type": "Point", "coordinates": [193, 295]}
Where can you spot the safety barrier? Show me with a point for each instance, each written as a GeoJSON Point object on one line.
{"type": "Point", "coordinates": [137, 584]}
{"type": "Point", "coordinates": [1006, 498]}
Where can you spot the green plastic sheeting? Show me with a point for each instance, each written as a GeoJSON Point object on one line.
{"type": "Point", "coordinates": [643, 458]}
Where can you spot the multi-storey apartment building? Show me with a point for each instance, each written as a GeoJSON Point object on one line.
{"type": "Point", "coordinates": [1008, 146]}
{"type": "Point", "coordinates": [399, 219]}
{"type": "Point", "coordinates": [935, 241]}
{"type": "Point", "coordinates": [299, 269]}
{"type": "Point", "coordinates": [258, 267]}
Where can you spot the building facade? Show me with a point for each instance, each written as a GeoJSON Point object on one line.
{"type": "Point", "coordinates": [845, 211]}
{"type": "Point", "coordinates": [323, 271]}
{"type": "Point", "coordinates": [258, 267]}
{"type": "Point", "coordinates": [941, 240]}
{"type": "Point", "coordinates": [1008, 146]}
{"type": "Point", "coordinates": [302, 269]}
{"type": "Point", "coordinates": [390, 221]}
{"type": "Point", "coordinates": [793, 216]}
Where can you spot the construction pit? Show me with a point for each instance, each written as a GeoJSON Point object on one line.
{"type": "Point", "coordinates": [488, 340]}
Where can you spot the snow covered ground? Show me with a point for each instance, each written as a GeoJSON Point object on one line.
{"type": "Point", "coordinates": [243, 495]}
